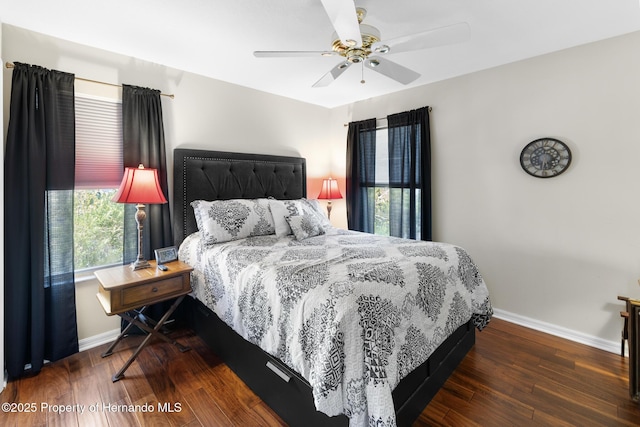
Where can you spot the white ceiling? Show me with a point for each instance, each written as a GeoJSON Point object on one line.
{"type": "Point", "coordinates": [216, 38]}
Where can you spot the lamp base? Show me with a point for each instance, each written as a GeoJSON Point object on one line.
{"type": "Point", "coordinates": [139, 264]}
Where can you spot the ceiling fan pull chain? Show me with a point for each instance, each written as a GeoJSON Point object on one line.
{"type": "Point", "coordinates": [362, 81]}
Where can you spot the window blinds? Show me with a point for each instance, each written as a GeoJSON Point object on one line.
{"type": "Point", "coordinates": [99, 162]}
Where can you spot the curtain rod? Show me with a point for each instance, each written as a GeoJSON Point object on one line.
{"type": "Point", "coordinates": [377, 127]}
{"type": "Point", "coordinates": [10, 65]}
{"type": "Point", "coordinates": [381, 118]}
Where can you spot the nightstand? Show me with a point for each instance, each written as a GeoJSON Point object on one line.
{"type": "Point", "coordinates": [123, 290]}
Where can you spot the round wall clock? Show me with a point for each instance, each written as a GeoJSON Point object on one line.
{"type": "Point", "coordinates": [545, 158]}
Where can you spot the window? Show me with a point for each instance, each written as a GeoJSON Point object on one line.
{"type": "Point", "coordinates": [381, 188]}
{"type": "Point", "coordinates": [98, 222]}
{"type": "Point", "coordinates": [389, 176]}
{"type": "Point", "coordinates": [387, 193]}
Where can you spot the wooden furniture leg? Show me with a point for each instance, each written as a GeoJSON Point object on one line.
{"type": "Point", "coordinates": [625, 331]}
{"type": "Point", "coordinates": [625, 327]}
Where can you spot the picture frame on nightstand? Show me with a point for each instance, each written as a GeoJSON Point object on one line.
{"type": "Point", "coordinates": [164, 255]}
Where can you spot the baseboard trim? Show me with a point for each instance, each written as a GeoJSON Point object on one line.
{"type": "Point", "coordinates": [96, 340]}
{"type": "Point", "coordinates": [559, 331]}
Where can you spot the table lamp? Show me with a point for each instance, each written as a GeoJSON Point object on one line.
{"type": "Point", "coordinates": [329, 192]}
{"type": "Point", "coordinates": [140, 186]}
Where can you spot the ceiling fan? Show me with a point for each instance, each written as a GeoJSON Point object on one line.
{"type": "Point", "coordinates": [360, 43]}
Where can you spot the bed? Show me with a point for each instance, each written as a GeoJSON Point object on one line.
{"type": "Point", "coordinates": [347, 337]}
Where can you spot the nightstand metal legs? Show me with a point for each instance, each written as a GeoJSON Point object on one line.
{"type": "Point", "coordinates": [155, 331]}
{"type": "Point", "coordinates": [124, 332]}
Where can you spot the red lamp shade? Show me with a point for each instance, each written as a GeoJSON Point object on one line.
{"type": "Point", "coordinates": [330, 190]}
{"type": "Point", "coordinates": [140, 185]}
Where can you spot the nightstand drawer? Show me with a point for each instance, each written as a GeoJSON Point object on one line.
{"type": "Point", "coordinates": [150, 291]}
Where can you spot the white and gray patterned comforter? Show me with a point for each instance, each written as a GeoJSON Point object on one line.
{"type": "Point", "coordinates": [353, 313]}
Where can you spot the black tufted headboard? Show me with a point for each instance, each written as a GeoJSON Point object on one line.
{"type": "Point", "coordinates": [217, 175]}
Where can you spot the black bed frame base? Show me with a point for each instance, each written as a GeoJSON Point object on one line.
{"type": "Point", "coordinates": [293, 400]}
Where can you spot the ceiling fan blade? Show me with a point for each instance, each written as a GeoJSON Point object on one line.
{"type": "Point", "coordinates": [451, 34]}
{"type": "Point", "coordinates": [291, 53]}
{"type": "Point", "coordinates": [344, 19]}
{"type": "Point", "coordinates": [391, 69]}
{"type": "Point", "coordinates": [333, 74]}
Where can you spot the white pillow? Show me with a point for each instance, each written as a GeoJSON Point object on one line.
{"type": "Point", "coordinates": [305, 226]}
{"type": "Point", "coordinates": [280, 210]}
{"type": "Point", "coordinates": [225, 220]}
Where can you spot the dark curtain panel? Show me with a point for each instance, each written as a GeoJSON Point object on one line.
{"type": "Point", "coordinates": [143, 142]}
{"type": "Point", "coordinates": [143, 139]}
{"type": "Point", "coordinates": [361, 174]}
{"type": "Point", "coordinates": [410, 174]}
{"type": "Point", "coordinates": [40, 310]}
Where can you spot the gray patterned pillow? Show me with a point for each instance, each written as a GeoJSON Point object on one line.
{"type": "Point", "coordinates": [281, 209]}
{"type": "Point", "coordinates": [305, 226]}
{"type": "Point", "coordinates": [225, 220]}
{"type": "Point", "coordinates": [312, 206]}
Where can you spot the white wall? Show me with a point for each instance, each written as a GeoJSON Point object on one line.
{"type": "Point", "coordinates": [205, 113]}
{"type": "Point", "coordinates": [556, 251]}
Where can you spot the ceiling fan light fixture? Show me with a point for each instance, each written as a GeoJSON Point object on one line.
{"type": "Point", "coordinates": [374, 63]}
{"type": "Point", "coordinates": [382, 49]}
{"type": "Point", "coordinates": [355, 56]}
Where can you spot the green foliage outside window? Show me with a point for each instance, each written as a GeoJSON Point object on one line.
{"type": "Point", "coordinates": [382, 202]}
{"type": "Point", "coordinates": [98, 229]}
{"type": "Point", "coordinates": [381, 198]}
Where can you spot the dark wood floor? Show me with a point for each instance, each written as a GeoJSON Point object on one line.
{"type": "Point", "coordinates": [513, 376]}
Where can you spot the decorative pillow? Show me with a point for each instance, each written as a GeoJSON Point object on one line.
{"type": "Point", "coordinates": [305, 226]}
{"type": "Point", "coordinates": [312, 206]}
{"type": "Point", "coordinates": [225, 220]}
{"type": "Point", "coordinates": [280, 210]}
